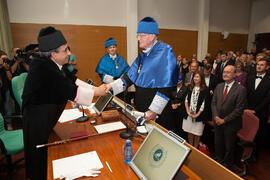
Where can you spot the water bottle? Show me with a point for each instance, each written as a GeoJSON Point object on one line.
{"type": "Point", "coordinates": [128, 152]}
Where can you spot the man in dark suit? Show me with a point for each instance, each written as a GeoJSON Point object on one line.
{"type": "Point", "coordinates": [210, 79]}
{"type": "Point", "coordinates": [220, 67]}
{"type": "Point", "coordinates": [228, 103]}
{"type": "Point", "coordinates": [194, 66]}
{"type": "Point", "coordinates": [258, 91]}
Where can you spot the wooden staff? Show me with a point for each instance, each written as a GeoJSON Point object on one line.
{"type": "Point", "coordinates": [65, 141]}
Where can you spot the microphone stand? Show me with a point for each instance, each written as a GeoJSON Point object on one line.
{"type": "Point", "coordinates": [83, 118]}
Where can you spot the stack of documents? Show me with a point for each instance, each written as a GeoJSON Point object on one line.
{"type": "Point", "coordinates": [108, 127]}
{"type": "Point", "coordinates": [77, 163]}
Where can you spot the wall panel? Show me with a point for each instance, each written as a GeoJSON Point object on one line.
{"type": "Point", "coordinates": [234, 42]}
{"type": "Point", "coordinates": [86, 42]}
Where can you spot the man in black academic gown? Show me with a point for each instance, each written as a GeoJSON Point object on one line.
{"type": "Point", "coordinates": [155, 75]}
{"type": "Point", "coordinates": [47, 89]}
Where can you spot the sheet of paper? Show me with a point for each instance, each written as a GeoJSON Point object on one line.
{"type": "Point", "coordinates": [69, 114]}
{"type": "Point", "coordinates": [77, 163]}
{"type": "Point", "coordinates": [108, 127]}
{"type": "Point", "coordinates": [90, 108]}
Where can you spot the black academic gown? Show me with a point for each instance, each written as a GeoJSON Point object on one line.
{"type": "Point", "coordinates": [45, 95]}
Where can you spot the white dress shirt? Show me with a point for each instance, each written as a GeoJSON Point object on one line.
{"type": "Point", "coordinates": [258, 80]}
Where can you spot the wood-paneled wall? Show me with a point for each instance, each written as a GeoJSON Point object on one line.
{"type": "Point", "coordinates": [183, 42]}
{"type": "Point", "coordinates": [233, 43]}
{"type": "Point", "coordinates": [87, 42]}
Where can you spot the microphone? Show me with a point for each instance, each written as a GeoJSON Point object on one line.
{"type": "Point", "coordinates": [128, 133]}
{"type": "Point", "coordinates": [83, 118]}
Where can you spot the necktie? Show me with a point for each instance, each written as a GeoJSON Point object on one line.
{"type": "Point", "coordinates": [260, 77]}
{"type": "Point", "coordinates": [225, 93]}
{"type": "Point", "coordinates": [191, 78]}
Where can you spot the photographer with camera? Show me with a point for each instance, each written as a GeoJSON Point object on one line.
{"type": "Point", "coordinates": [5, 86]}
{"type": "Point", "coordinates": [19, 63]}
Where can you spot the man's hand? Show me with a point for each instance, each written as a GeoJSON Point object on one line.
{"type": "Point", "coordinates": [219, 121]}
{"type": "Point", "coordinates": [150, 115]}
{"type": "Point", "coordinates": [175, 106]}
{"type": "Point", "coordinates": [100, 91]}
{"type": "Point", "coordinates": [108, 87]}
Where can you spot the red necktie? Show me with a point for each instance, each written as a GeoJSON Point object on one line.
{"type": "Point", "coordinates": [191, 78]}
{"type": "Point", "coordinates": [225, 93]}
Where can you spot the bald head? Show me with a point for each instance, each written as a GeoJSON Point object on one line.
{"type": "Point", "coordinates": [228, 73]}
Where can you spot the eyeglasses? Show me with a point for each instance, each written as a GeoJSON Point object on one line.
{"type": "Point", "coordinates": [142, 35]}
{"type": "Point", "coordinates": [65, 50]}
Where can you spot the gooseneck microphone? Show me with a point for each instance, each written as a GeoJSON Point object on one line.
{"type": "Point", "coordinates": [128, 133]}
{"type": "Point", "coordinates": [83, 118]}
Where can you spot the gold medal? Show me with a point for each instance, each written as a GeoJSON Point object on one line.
{"type": "Point", "coordinates": [139, 69]}
{"type": "Point", "coordinates": [116, 67]}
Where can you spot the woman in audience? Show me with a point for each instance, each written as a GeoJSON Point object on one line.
{"type": "Point", "coordinates": [197, 100]}
{"type": "Point", "coordinates": [241, 75]}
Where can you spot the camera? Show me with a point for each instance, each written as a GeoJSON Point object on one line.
{"type": "Point", "coordinates": [21, 53]}
{"type": "Point", "coordinates": [6, 60]}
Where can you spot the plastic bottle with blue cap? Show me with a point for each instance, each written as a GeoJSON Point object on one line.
{"type": "Point", "coordinates": [128, 152]}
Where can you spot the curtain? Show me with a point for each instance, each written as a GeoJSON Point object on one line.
{"type": "Point", "coordinates": [5, 31]}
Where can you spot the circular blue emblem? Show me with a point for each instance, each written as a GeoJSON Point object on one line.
{"type": "Point", "coordinates": [157, 154]}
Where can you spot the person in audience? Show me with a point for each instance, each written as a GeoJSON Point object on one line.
{"type": "Point", "coordinates": [231, 56]}
{"type": "Point", "coordinates": [184, 68]}
{"type": "Point", "coordinates": [209, 78]}
{"type": "Point", "coordinates": [178, 106]}
{"type": "Point", "coordinates": [155, 75]}
{"type": "Point", "coordinates": [228, 103]}
{"type": "Point", "coordinates": [267, 52]}
{"type": "Point", "coordinates": [194, 66]}
{"type": "Point", "coordinates": [260, 56]}
{"type": "Point", "coordinates": [251, 64]}
{"type": "Point", "coordinates": [240, 75]}
{"type": "Point", "coordinates": [5, 86]}
{"type": "Point", "coordinates": [111, 66]}
{"type": "Point", "coordinates": [71, 63]}
{"type": "Point", "coordinates": [47, 89]}
{"type": "Point", "coordinates": [220, 67]}
{"type": "Point", "coordinates": [179, 60]}
{"type": "Point", "coordinates": [196, 102]}
{"type": "Point", "coordinates": [216, 62]}
{"type": "Point", "coordinates": [258, 96]}
{"type": "Point", "coordinates": [244, 59]}
{"type": "Point", "coordinates": [19, 64]}
{"type": "Point", "coordinates": [253, 51]}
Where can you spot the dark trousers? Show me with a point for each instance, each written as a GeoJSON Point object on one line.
{"type": "Point", "coordinates": [225, 141]}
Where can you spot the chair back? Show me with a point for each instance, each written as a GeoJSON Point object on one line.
{"type": "Point", "coordinates": [250, 126]}
{"type": "Point", "coordinates": [17, 87]}
{"type": "Point", "coordinates": [2, 125]}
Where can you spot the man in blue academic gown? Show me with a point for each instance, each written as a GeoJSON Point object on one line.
{"type": "Point", "coordinates": [155, 75]}
{"type": "Point", "coordinates": [111, 66]}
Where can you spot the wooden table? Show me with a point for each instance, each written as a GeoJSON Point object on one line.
{"type": "Point", "coordinates": [109, 147]}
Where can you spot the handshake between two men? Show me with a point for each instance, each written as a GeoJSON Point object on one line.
{"type": "Point", "coordinates": [104, 89]}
